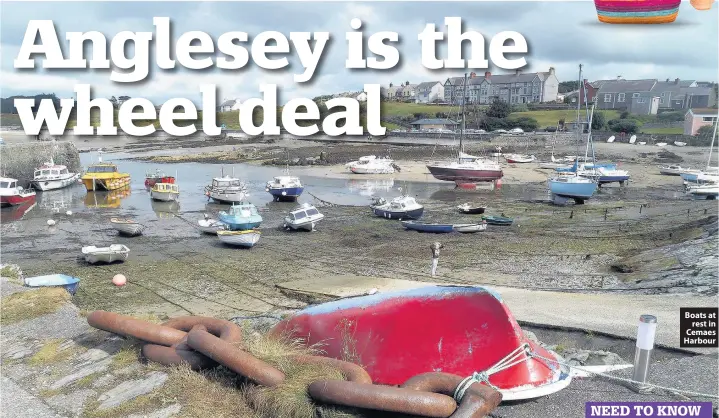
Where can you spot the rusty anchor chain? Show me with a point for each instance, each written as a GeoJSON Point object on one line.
{"type": "Point", "coordinates": [204, 342]}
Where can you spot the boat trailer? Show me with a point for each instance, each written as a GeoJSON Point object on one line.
{"type": "Point", "coordinates": [203, 342]}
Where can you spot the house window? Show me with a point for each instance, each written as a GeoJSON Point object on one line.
{"type": "Point", "coordinates": [620, 97]}
{"type": "Point", "coordinates": [635, 95]}
{"type": "Point", "coordinates": [607, 98]}
{"type": "Point", "coordinates": [708, 119]}
{"type": "Point", "coordinates": [641, 100]}
{"type": "Point", "coordinates": [661, 101]}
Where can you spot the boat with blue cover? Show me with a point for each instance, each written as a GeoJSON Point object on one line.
{"type": "Point", "coordinates": [70, 283]}
{"type": "Point", "coordinates": [427, 227]}
{"type": "Point", "coordinates": [241, 217]}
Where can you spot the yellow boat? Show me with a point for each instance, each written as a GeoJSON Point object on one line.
{"type": "Point", "coordinates": [104, 176]}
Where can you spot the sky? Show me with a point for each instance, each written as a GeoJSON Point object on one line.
{"type": "Point", "coordinates": [559, 34]}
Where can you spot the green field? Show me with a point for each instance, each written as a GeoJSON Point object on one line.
{"type": "Point", "coordinates": [664, 131]}
{"type": "Point", "coordinates": [547, 118]}
{"type": "Point", "coordinates": [408, 109]}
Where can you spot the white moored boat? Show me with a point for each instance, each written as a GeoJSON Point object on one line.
{"type": "Point", "coordinates": [115, 252]}
{"type": "Point", "coordinates": [370, 164]}
{"type": "Point", "coordinates": [469, 228]}
{"type": "Point", "coordinates": [676, 170]}
{"type": "Point", "coordinates": [127, 226]}
{"type": "Point", "coordinates": [50, 177]}
{"type": "Point", "coordinates": [227, 189]}
{"type": "Point", "coordinates": [165, 192]}
{"type": "Point", "coordinates": [519, 158]}
{"type": "Point", "coordinates": [210, 226]}
{"type": "Point", "coordinates": [246, 238]}
{"type": "Point", "coordinates": [304, 217]}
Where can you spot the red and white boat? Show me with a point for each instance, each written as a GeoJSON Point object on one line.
{"type": "Point", "coordinates": [520, 158]}
{"type": "Point", "coordinates": [12, 195]}
{"type": "Point", "coordinates": [157, 177]}
{"type": "Point", "coordinates": [452, 329]}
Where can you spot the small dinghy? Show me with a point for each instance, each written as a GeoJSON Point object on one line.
{"type": "Point", "coordinates": [115, 252]}
{"type": "Point", "coordinates": [520, 158]}
{"type": "Point", "coordinates": [247, 238]}
{"type": "Point", "coordinates": [680, 144]}
{"type": "Point", "coordinates": [304, 217]}
{"type": "Point", "coordinates": [471, 210]}
{"type": "Point", "coordinates": [498, 220]}
{"type": "Point", "coordinates": [68, 282]}
{"type": "Point", "coordinates": [470, 228]}
{"type": "Point", "coordinates": [611, 139]}
{"type": "Point", "coordinates": [210, 226]}
{"type": "Point", "coordinates": [127, 227]}
{"type": "Point", "coordinates": [384, 325]}
{"type": "Point", "coordinates": [661, 144]}
{"type": "Point", "coordinates": [427, 227]}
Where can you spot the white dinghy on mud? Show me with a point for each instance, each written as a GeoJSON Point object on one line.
{"type": "Point", "coordinates": [210, 226]}
{"type": "Point", "coordinates": [115, 252]}
{"type": "Point", "coordinates": [127, 227]}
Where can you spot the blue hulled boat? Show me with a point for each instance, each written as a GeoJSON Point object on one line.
{"type": "Point", "coordinates": [426, 227]}
{"type": "Point", "coordinates": [573, 187]}
{"type": "Point", "coordinates": [70, 283]}
{"type": "Point", "coordinates": [241, 217]}
{"type": "Point", "coordinates": [285, 188]}
{"type": "Point", "coordinates": [403, 207]}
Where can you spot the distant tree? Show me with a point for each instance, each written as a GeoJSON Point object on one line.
{"type": "Point", "coordinates": [491, 124]}
{"type": "Point", "coordinates": [525, 122]}
{"type": "Point", "coordinates": [624, 115]}
{"type": "Point", "coordinates": [123, 98]}
{"type": "Point", "coordinates": [113, 100]}
{"type": "Point", "coordinates": [499, 109]}
{"type": "Point", "coordinates": [704, 134]}
{"type": "Point", "coordinates": [441, 115]}
{"type": "Point", "coordinates": [671, 116]}
{"type": "Point", "coordinates": [629, 126]}
{"type": "Point", "coordinates": [568, 86]}
{"type": "Point", "coordinates": [599, 120]}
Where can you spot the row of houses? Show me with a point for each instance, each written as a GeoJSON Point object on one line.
{"type": "Point", "coordinates": [516, 88]}
{"type": "Point", "coordinates": [647, 97]}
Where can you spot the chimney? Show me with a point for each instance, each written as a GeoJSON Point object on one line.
{"type": "Point", "coordinates": [472, 75]}
{"type": "Point", "coordinates": [517, 71]}
{"type": "Point", "coordinates": [551, 70]}
{"type": "Point", "coordinates": [487, 74]}
{"type": "Point", "coordinates": [667, 80]}
{"type": "Point", "coordinates": [676, 81]}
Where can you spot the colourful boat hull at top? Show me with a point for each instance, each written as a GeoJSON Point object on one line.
{"type": "Point", "coordinates": [637, 11]}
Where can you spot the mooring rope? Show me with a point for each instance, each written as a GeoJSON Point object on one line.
{"type": "Point", "coordinates": [510, 360]}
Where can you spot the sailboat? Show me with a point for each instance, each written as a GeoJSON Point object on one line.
{"type": "Point", "coordinates": [466, 168]}
{"type": "Point", "coordinates": [555, 163]}
{"type": "Point", "coordinates": [564, 187]}
{"type": "Point", "coordinates": [707, 181]}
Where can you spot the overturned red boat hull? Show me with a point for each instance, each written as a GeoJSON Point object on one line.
{"type": "Point", "coordinates": [452, 329]}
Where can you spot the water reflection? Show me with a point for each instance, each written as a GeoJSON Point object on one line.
{"type": "Point", "coordinates": [111, 199]}
{"type": "Point", "coordinates": [61, 199]}
{"type": "Point", "coordinates": [370, 187]}
{"type": "Point", "coordinates": [165, 209]}
{"type": "Point", "coordinates": [15, 213]}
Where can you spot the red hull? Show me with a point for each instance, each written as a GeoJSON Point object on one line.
{"type": "Point", "coordinates": [151, 181]}
{"type": "Point", "coordinates": [464, 175]}
{"type": "Point", "coordinates": [398, 335]}
{"type": "Point", "coordinates": [16, 199]}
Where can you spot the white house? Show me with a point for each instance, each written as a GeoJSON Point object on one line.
{"type": "Point", "coordinates": [362, 97]}
{"type": "Point", "coordinates": [228, 105]}
{"type": "Point", "coordinates": [429, 91]}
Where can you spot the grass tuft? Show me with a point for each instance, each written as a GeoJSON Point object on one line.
{"type": "Point", "coordinates": [32, 304]}
{"type": "Point", "coordinates": [11, 272]}
{"type": "Point", "coordinates": [50, 353]}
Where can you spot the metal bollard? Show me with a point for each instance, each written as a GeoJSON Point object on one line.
{"type": "Point", "coordinates": [642, 355]}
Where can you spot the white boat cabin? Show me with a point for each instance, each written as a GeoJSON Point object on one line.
{"type": "Point", "coordinates": [305, 212]}
{"type": "Point", "coordinates": [45, 173]}
{"type": "Point", "coordinates": [102, 168]}
{"type": "Point", "coordinates": [226, 182]}
{"type": "Point", "coordinates": [285, 181]}
{"type": "Point", "coordinates": [8, 183]}
{"type": "Point", "coordinates": [166, 187]}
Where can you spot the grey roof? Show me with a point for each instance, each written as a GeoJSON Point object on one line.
{"type": "Point", "coordinates": [703, 112]}
{"type": "Point", "coordinates": [512, 78]}
{"type": "Point", "coordinates": [228, 103]}
{"type": "Point", "coordinates": [626, 86]}
{"type": "Point", "coordinates": [434, 122]}
{"type": "Point", "coordinates": [427, 85]}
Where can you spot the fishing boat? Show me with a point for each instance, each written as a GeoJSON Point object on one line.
{"type": "Point", "coordinates": [115, 252]}
{"type": "Point", "coordinates": [241, 217]}
{"type": "Point", "coordinates": [385, 325]}
{"type": "Point", "coordinates": [676, 170]}
{"type": "Point", "coordinates": [210, 226]}
{"type": "Point", "coordinates": [127, 227]}
{"type": "Point", "coordinates": [226, 189]}
{"type": "Point", "coordinates": [497, 220]}
{"type": "Point", "coordinates": [104, 177]}
{"type": "Point", "coordinates": [165, 192]}
{"type": "Point", "coordinates": [370, 164]}
{"type": "Point", "coordinates": [463, 169]}
{"type": "Point", "coordinates": [13, 195]}
{"type": "Point", "coordinates": [470, 228]}
{"type": "Point", "coordinates": [52, 280]}
{"type": "Point", "coordinates": [157, 177]}
{"type": "Point", "coordinates": [520, 158]}
{"type": "Point", "coordinates": [285, 188]}
{"type": "Point", "coordinates": [428, 227]}
{"type": "Point", "coordinates": [304, 217]}
{"type": "Point", "coordinates": [402, 207]}
{"type": "Point", "coordinates": [50, 176]}
{"type": "Point", "coordinates": [471, 210]}
{"type": "Point", "coordinates": [246, 238]}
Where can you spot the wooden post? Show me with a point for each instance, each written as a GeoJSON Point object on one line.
{"type": "Point", "coordinates": [571, 215]}
{"type": "Point", "coordinates": [606, 212]}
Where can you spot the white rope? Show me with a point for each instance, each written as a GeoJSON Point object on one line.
{"type": "Point", "coordinates": [517, 356]}
{"type": "Point", "coordinates": [621, 379]}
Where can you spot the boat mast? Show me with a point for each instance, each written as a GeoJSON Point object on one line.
{"type": "Point", "coordinates": [461, 132]}
{"type": "Point", "coordinates": [579, 105]}
{"type": "Point", "coordinates": [711, 147]}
